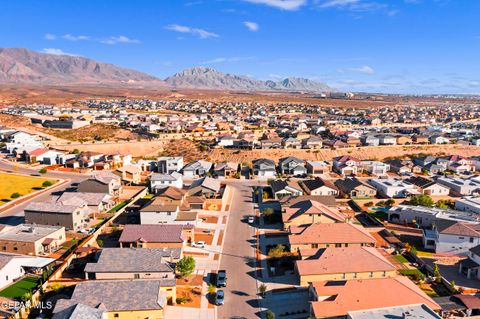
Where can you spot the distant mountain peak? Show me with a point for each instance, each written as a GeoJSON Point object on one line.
{"type": "Point", "coordinates": [23, 66]}
{"type": "Point", "coordinates": [19, 65]}
{"type": "Point", "coordinates": [202, 77]}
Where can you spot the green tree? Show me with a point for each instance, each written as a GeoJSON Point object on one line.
{"type": "Point", "coordinates": [270, 314]}
{"type": "Point", "coordinates": [15, 195]}
{"type": "Point", "coordinates": [390, 202]}
{"type": "Point", "coordinates": [186, 266]}
{"type": "Point", "coordinates": [268, 212]}
{"type": "Point", "coordinates": [277, 252]}
{"type": "Point", "coordinates": [263, 289]}
{"type": "Point", "coordinates": [47, 184]}
{"type": "Point", "coordinates": [437, 274]}
{"type": "Point", "coordinates": [422, 200]}
{"type": "Point", "coordinates": [212, 289]}
{"type": "Point", "coordinates": [100, 243]}
{"type": "Point", "coordinates": [42, 171]}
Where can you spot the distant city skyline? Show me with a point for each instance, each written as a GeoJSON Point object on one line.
{"type": "Point", "coordinates": [397, 46]}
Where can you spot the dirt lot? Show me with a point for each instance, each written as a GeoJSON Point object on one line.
{"type": "Point", "coordinates": [362, 153]}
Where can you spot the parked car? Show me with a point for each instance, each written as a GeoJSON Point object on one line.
{"type": "Point", "coordinates": [199, 244]}
{"type": "Point", "coordinates": [251, 219]}
{"type": "Point", "coordinates": [219, 297]}
{"type": "Point", "coordinates": [222, 278]}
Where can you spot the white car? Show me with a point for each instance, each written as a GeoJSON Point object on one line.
{"type": "Point", "coordinates": [199, 244]}
{"type": "Point", "coordinates": [251, 219]}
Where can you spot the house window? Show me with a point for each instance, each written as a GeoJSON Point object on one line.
{"type": "Point", "coordinates": [344, 276]}
{"type": "Point", "coordinates": [116, 315]}
{"type": "Point", "coordinates": [338, 245]}
{"type": "Point", "coordinates": [370, 274]}
{"type": "Point", "coordinates": [471, 239]}
{"type": "Point", "coordinates": [354, 275]}
{"type": "Point", "coordinates": [314, 245]}
{"type": "Point", "coordinates": [384, 274]}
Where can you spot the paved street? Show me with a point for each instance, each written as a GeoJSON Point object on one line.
{"type": "Point", "coordinates": [238, 258]}
{"type": "Point", "coordinates": [14, 215]}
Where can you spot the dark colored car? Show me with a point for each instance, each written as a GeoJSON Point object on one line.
{"type": "Point", "coordinates": [222, 278]}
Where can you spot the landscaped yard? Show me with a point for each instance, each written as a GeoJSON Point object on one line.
{"type": "Point", "coordinates": [401, 259]}
{"type": "Point", "coordinates": [21, 184]}
{"type": "Point", "coordinates": [20, 288]}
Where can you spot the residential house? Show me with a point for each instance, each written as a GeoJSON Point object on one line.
{"type": "Point", "coordinates": [264, 168]}
{"type": "Point", "coordinates": [370, 140]}
{"type": "Point", "coordinates": [403, 167]}
{"type": "Point", "coordinates": [156, 212]}
{"type": "Point", "coordinates": [428, 187]}
{"type": "Point", "coordinates": [226, 170]}
{"type": "Point", "coordinates": [31, 239]}
{"type": "Point", "coordinates": [414, 311]}
{"type": "Point", "coordinates": [452, 237]}
{"type": "Point", "coordinates": [168, 165]}
{"type": "Point", "coordinates": [292, 166]}
{"type": "Point", "coordinates": [271, 143]}
{"type": "Point", "coordinates": [96, 202]}
{"type": "Point", "coordinates": [159, 181]}
{"type": "Point", "coordinates": [318, 167]}
{"type": "Point", "coordinates": [426, 216]}
{"type": "Point", "coordinates": [460, 186]}
{"type": "Point", "coordinates": [156, 236]}
{"type": "Point", "coordinates": [197, 169]}
{"type": "Point", "coordinates": [13, 267]}
{"type": "Point", "coordinates": [102, 182]}
{"type": "Point", "coordinates": [318, 186]}
{"type": "Point", "coordinates": [309, 212]}
{"type": "Point", "coordinates": [323, 235]}
{"type": "Point", "coordinates": [355, 188]}
{"type": "Point", "coordinates": [291, 142]}
{"type": "Point", "coordinates": [393, 187]}
{"type": "Point", "coordinates": [312, 142]}
{"type": "Point", "coordinates": [387, 140]}
{"type": "Point", "coordinates": [468, 204]}
{"type": "Point", "coordinates": [72, 217]}
{"type": "Point", "coordinates": [283, 188]}
{"type": "Point", "coordinates": [118, 299]}
{"type": "Point", "coordinates": [130, 174]}
{"type": "Point", "coordinates": [336, 299]}
{"type": "Point", "coordinates": [438, 139]}
{"type": "Point", "coordinates": [343, 264]}
{"type": "Point", "coordinates": [346, 165]}
{"type": "Point", "coordinates": [374, 167]}
{"type": "Point", "coordinates": [134, 263]}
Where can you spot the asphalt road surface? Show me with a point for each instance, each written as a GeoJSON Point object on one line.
{"type": "Point", "coordinates": [238, 258]}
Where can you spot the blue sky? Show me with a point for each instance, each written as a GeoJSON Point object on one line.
{"type": "Point", "coordinates": [413, 46]}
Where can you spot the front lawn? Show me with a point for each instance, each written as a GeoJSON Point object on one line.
{"type": "Point", "coordinates": [20, 288]}
{"type": "Point", "coordinates": [21, 184]}
{"type": "Point", "coordinates": [401, 259]}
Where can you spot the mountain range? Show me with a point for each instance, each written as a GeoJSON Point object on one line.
{"type": "Point", "coordinates": [23, 66]}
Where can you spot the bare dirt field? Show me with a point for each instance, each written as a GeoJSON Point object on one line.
{"type": "Point", "coordinates": [363, 153]}
{"type": "Point", "coordinates": [71, 95]}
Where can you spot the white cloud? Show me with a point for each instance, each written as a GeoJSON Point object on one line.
{"type": "Point", "coordinates": [201, 33]}
{"type": "Point", "coordinates": [104, 40]}
{"type": "Point", "coordinates": [70, 37]}
{"type": "Point", "coordinates": [57, 52]}
{"type": "Point", "coordinates": [252, 26]}
{"type": "Point", "coordinates": [281, 4]}
{"type": "Point", "coordinates": [338, 3]}
{"type": "Point", "coordinates": [118, 39]}
{"type": "Point", "coordinates": [49, 36]}
{"type": "Point", "coordinates": [365, 69]}
{"type": "Point", "coordinates": [226, 60]}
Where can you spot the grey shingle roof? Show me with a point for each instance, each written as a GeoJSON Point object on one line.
{"type": "Point", "coordinates": [120, 260]}
{"type": "Point", "coordinates": [118, 295]}
{"type": "Point", "coordinates": [47, 207]}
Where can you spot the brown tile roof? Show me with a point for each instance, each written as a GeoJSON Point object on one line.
{"type": "Point", "coordinates": [449, 227]}
{"type": "Point", "coordinates": [330, 234]}
{"type": "Point", "coordinates": [186, 216]}
{"type": "Point", "coordinates": [344, 260]}
{"type": "Point", "coordinates": [351, 295]}
{"type": "Point", "coordinates": [152, 233]}
{"type": "Point", "coordinates": [311, 207]}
